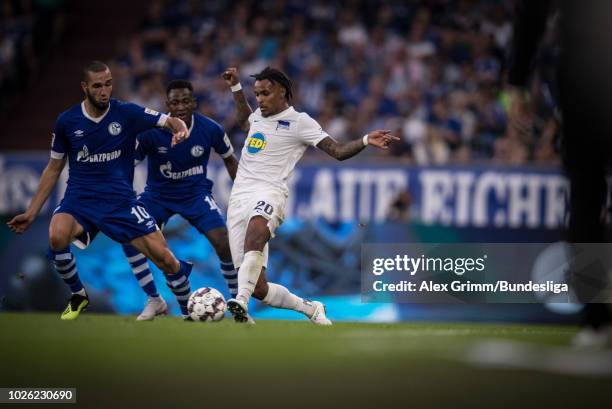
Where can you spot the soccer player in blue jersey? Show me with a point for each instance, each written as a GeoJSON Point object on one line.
{"type": "Point", "coordinates": [177, 184]}
{"type": "Point", "coordinates": [97, 138]}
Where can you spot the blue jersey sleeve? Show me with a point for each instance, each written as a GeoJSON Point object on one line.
{"type": "Point", "coordinates": [59, 140]}
{"type": "Point", "coordinates": [142, 146]}
{"type": "Point", "coordinates": [142, 118]}
{"type": "Point", "coordinates": [221, 142]}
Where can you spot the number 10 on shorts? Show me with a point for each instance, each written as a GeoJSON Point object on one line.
{"type": "Point", "coordinates": [140, 213]}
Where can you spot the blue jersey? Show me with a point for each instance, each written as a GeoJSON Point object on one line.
{"type": "Point", "coordinates": [101, 150]}
{"type": "Point", "coordinates": [180, 172]}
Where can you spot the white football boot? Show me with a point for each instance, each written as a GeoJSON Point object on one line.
{"type": "Point", "coordinates": [240, 311]}
{"type": "Point", "coordinates": [155, 306]}
{"type": "Point", "coordinates": [318, 316]}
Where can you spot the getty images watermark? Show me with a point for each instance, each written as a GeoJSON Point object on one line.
{"type": "Point", "coordinates": [486, 272]}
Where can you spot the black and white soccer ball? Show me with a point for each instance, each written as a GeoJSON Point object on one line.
{"type": "Point", "coordinates": [206, 304]}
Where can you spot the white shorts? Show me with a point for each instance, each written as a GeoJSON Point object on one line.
{"type": "Point", "coordinates": [269, 205]}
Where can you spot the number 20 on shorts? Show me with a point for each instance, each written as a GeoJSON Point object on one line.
{"type": "Point", "coordinates": [264, 207]}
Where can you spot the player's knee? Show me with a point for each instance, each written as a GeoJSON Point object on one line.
{"type": "Point", "coordinates": [255, 240]}
{"type": "Point", "coordinates": [223, 251]}
{"type": "Point", "coordinates": [219, 240]}
{"type": "Point", "coordinates": [166, 262]}
{"type": "Point", "coordinates": [169, 262]}
{"type": "Point", "coordinates": [261, 290]}
{"type": "Point", "coordinates": [257, 234]}
{"type": "Point", "coordinates": [58, 241]}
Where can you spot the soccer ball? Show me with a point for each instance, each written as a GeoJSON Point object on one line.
{"type": "Point", "coordinates": [206, 304]}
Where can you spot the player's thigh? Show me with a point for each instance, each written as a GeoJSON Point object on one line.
{"type": "Point", "coordinates": [63, 229]}
{"type": "Point", "coordinates": [204, 214]}
{"type": "Point", "coordinates": [126, 221]}
{"type": "Point", "coordinates": [257, 234]}
{"type": "Point", "coordinates": [270, 206]}
{"type": "Point", "coordinates": [156, 209]}
{"type": "Point", "coordinates": [266, 214]}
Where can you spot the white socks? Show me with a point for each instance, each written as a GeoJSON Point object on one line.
{"type": "Point", "coordinates": [248, 274]}
{"type": "Point", "coordinates": [280, 297]}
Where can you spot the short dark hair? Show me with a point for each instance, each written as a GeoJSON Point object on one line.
{"type": "Point", "coordinates": [93, 66]}
{"type": "Point", "coordinates": [277, 76]}
{"type": "Point", "coordinates": [178, 84]}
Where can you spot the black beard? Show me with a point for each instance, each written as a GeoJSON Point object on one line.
{"type": "Point", "coordinates": [98, 105]}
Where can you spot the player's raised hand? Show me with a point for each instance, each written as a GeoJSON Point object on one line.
{"type": "Point", "coordinates": [20, 223]}
{"type": "Point", "coordinates": [230, 75]}
{"type": "Point", "coordinates": [179, 130]}
{"type": "Point", "coordinates": [381, 138]}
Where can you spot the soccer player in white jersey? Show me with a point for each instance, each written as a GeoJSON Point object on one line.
{"type": "Point", "coordinates": [277, 137]}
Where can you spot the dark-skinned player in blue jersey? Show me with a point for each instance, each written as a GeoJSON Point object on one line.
{"type": "Point", "coordinates": [177, 184]}
{"type": "Point", "coordinates": [98, 138]}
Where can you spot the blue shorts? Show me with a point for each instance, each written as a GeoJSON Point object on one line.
{"type": "Point", "coordinates": [200, 211]}
{"type": "Point", "coordinates": [121, 222]}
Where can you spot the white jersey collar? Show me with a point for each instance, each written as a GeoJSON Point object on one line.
{"type": "Point", "coordinates": [289, 110]}
{"type": "Point", "coordinates": [91, 118]}
{"type": "Point", "coordinates": [191, 126]}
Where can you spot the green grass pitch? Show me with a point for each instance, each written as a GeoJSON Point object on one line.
{"type": "Point", "coordinates": [116, 362]}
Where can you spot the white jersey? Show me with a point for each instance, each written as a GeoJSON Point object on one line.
{"type": "Point", "coordinates": [272, 148]}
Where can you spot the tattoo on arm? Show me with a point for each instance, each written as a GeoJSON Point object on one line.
{"type": "Point", "coordinates": [243, 110]}
{"type": "Point", "coordinates": [341, 151]}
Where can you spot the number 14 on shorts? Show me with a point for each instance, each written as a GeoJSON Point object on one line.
{"type": "Point", "coordinates": [211, 202]}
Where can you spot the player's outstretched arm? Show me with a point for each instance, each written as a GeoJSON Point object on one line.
{"type": "Point", "coordinates": [341, 151]}
{"type": "Point", "coordinates": [178, 128]}
{"type": "Point", "coordinates": [243, 109]}
{"type": "Point", "coordinates": [48, 179]}
{"type": "Point", "coordinates": [231, 164]}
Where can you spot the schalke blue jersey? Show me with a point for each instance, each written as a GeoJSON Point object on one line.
{"type": "Point", "coordinates": [180, 172]}
{"type": "Point", "coordinates": [101, 150]}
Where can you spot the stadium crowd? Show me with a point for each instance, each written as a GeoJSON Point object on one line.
{"type": "Point", "coordinates": [432, 71]}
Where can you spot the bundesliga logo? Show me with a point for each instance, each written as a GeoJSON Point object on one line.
{"type": "Point", "coordinates": [256, 143]}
